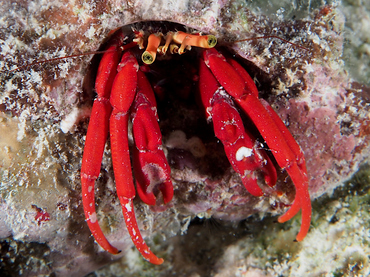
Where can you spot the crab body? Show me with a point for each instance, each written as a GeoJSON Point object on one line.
{"type": "Point", "coordinates": [124, 94]}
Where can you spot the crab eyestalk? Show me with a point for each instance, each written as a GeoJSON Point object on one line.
{"type": "Point", "coordinates": [184, 39]}
{"type": "Point", "coordinates": [207, 41]}
{"type": "Point", "coordinates": [150, 53]}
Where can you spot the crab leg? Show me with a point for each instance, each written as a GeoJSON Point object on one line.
{"type": "Point", "coordinates": [302, 169]}
{"type": "Point", "coordinates": [285, 157]}
{"type": "Point", "coordinates": [151, 168]}
{"type": "Point", "coordinates": [239, 144]}
{"type": "Point", "coordinates": [288, 136]}
{"type": "Point", "coordinates": [97, 134]}
{"type": "Point", "coordinates": [96, 137]}
{"type": "Point", "coordinates": [275, 134]}
{"type": "Point", "coordinates": [122, 96]}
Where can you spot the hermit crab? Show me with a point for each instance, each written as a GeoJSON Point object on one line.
{"type": "Point", "coordinates": [125, 96]}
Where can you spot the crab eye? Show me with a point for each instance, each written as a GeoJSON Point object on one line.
{"type": "Point", "coordinates": [147, 58]}
{"type": "Point", "coordinates": [212, 41]}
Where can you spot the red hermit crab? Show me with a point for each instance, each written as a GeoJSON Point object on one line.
{"type": "Point", "coordinates": [124, 94]}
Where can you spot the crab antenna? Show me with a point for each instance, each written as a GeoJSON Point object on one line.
{"type": "Point", "coordinates": [272, 36]}
{"type": "Point", "coordinates": [150, 53]}
{"type": "Point", "coordinates": [58, 59]}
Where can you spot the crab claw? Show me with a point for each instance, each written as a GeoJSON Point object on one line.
{"type": "Point", "coordinates": [151, 168]}
{"type": "Point", "coordinates": [288, 154]}
{"type": "Point", "coordinates": [240, 146]}
{"type": "Point", "coordinates": [122, 95]}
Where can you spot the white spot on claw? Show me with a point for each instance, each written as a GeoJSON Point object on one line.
{"type": "Point", "coordinates": [243, 152]}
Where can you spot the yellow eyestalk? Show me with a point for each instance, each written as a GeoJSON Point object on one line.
{"type": "Point", "coordinates": [185, 40]}
{"type": "Point", "coordinates": [207, 41]}
{"type": "Point", "coordinates": [150, 53]}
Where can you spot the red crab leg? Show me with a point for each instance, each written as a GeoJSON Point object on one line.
{"type": "Point", "coordinates": [122, 96]}
{"type": "Point", "coordinates": [96, 137]}
{"type": "Point", "coordinates": [300, 162]}
{"type": "Point", "coordinates": [248, 81]}
{"type": "Point", "coordinates": [285, 157]}
{"type": "Point", "coordinates": [274, 133]}
{"type": "Point", "coordinates": [288, 136]}
{"type": "Point", "coordinates": [239, 144]}
{"type": "Point", "coordinates": [300, 172]}
{"type": "Point", "coordinates": [151, 168]}
{"type": "Point", "coordinates": [97, 134]}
